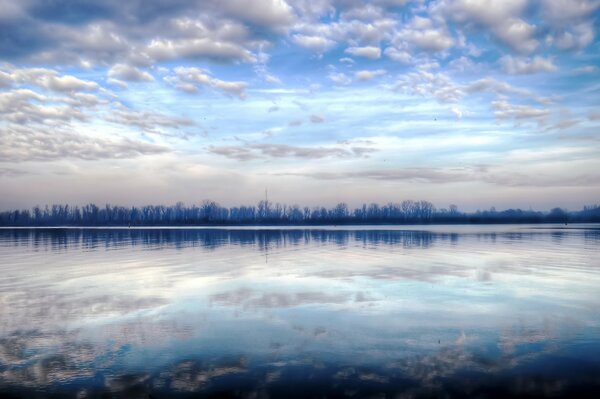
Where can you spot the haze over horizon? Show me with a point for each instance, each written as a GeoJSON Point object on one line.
{"type": "Point", "coordinates": [474, 103]}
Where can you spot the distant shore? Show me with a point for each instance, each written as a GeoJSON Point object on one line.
{"type": "Point", "coordinates": [265, 213]}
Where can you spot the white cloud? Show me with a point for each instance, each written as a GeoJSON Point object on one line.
{"type": "Point", "coordinates": [163, 50]}
{"type": "Point", "coordinates": [424, 34]}
{"type": "Point", "coordinates": [517, 34]}
{"type": "Point", "coordinates": [524, 66]}
{"type": "Point", "coordinates": [275, 14]}
{"type": "Point", "coordinates": [59, 143]}
{"type": "Point", "coordinates": [505, 110]}
{"type": "Point", "coordinates": [368, 52]}
{"type": "Point", "coordinates": [457, 112]}
{"type": "Point", "coordinates": [51, 80]}
{"type": "Point", "coordinates": [189, 79]}
{"type": "Point", "coordinates": [339, 78]}
{"type": "Point", "coordinates": [501, 17]}
{"type": "Point", "coordinates": [148, 121]}
{"type": "Point", "coordinates": [365, 75]}
{"type": "Point", "coordinates": [425, 83]}
{"type": "Point", "coordinates": [400, 56]}
{"type": "Point", "coordinates": [573, 37]}
{"type": "Point", "coordinates": [129, 73]}
{"type": "Point", "coordinates": [317, 44]}
{"type": "Point", "coordinates": [429, 40]}
{"type": "Point", "coordinates": [24, 106]}
{"type": "Point", "coordinates": [565, 11]}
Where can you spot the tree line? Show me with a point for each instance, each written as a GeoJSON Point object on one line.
{"type": "Point", "coordinates": [267, 213]}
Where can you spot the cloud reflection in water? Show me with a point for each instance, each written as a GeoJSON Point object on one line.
{"type": "Point", "coordinates": [508, 310]}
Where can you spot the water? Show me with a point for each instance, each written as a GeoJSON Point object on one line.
{"type": "Point", "coordinates": [455, 311]}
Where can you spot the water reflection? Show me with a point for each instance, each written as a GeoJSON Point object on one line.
{"type": "Point", "coordinates": [385, 312]}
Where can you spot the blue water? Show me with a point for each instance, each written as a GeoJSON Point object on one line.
{"type": "Point", "coordinates": [435, 311]}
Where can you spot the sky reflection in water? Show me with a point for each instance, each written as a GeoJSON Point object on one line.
{"type": "Point", "coordinates": [384, 312]}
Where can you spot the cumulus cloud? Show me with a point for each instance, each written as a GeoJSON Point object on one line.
{"type": "Point", "coordinates": [148, 121]}
{"type": "Point", "coordinates": [25, 106]}
{"type": "Point", "coordinates": [129, 73]}
{"type": "Point", "coordinates": [505, 110]}
{"type": "Point", "coordinates": [366, 75]}
{"type": "Point", "coordinates": [400, 56]}
{"type": "Point", "coordinates": [47, 79]}
{"type": "Point", "coordinates": [318, 44]}
{"type": "Point", "coordinates": [164, 50]}
{"type": "Point", "coordinates": [59, 143]}
{"type": "Point", "coordinates": [502, 18]}
{"type": "Point", "coordinates": [141, 33]}
{"type": "Point", "coordinates": [572, 37]}
{"type": "Point", "coordinates": [368, 52]}
{"type": "Point", "coordinates": [274, 14]}
{"type": "Point", "coordinates": [425, 35]}
{"type": "Point", "coordinates": [566, 11]}
{"type": "Point", "coordinates": [425, 83]}
{"type": "Point", "coordinates": [523, 66]}
{"type": "Point", "coordinates": [190, 79]}
{"type": "Point", "coordinates": [339, 78]}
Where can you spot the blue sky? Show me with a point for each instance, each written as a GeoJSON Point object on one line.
{"type": "Point", "coordinates": [476, 103]}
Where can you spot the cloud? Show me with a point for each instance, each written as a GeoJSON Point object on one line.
{"type": "Point", "coordinates": [60, 143]}
{"type": "Point", "coordinates": [573, 37]}
{"type": "Point", "coordinates": [525, 66]}
{"type": "Point", "coordinates": [247, 298]}
{"type": "Point", "coordinates": [594, 115]}
{"type": "Point", "coordinates": [505, 110]}
{"type": "Point", "coordinates": [502, 18]}
{"type": "Point", "coordinates": [47, 79]}
{"type": "Point", "coordinates": [189, 79]}
{"type": "Point", "coordinates": [25, 106]}
{"type": "Point", "coordinates": [394, 54]}
{"type": "Point", "coordinates": [366, 75]}
{"type": "Point", "coordinates": [433, 175]}
{"type": "Point", "coordinates": [339, 78]}
{"type": "Point", "coordinates": [494, 86]}
{"type": "Point", "coordinates": [457, 112]}
{"type": "Point", "coordinates": [429, 40]}
{"type": "Point", "coordinates": [148, 121]}
{"type": "Point", "coordinates": [164, 50]}
{"type": "Point", "coordinates": [314, 118]}
{"type": "Point", "coordinates": [255, 151]}
{"type": "Point", "coordinates": [318, 44]}
{"type": "Point", "coordinates": [566, 11]}
{"type": "Point", "coordinates": [423, 34]}
{"type": "Point", "coordinates": [586, 69]}
{"type": "Point", "coordinates": [422, 83]}
{"type": "Point", "coordinates": [129, 73]}
{"type": "Point", "coordinates": [274, 14]}
{"type": "Point", "coordinates": [141, 33]}
{"type": "Point", "coordinates": [367, 52]}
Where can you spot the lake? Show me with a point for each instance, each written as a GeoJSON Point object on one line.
{"type": "Point", "coordinates": [374, 311]}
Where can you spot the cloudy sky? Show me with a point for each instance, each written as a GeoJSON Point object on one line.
{"type": "Point", "coordinates": [475, 102]}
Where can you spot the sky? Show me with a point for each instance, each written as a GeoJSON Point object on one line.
{"type": "Point", "coordinates": [474, 103]}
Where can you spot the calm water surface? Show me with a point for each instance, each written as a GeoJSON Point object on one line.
{"type": "Point", "coordinates": [478, 311]}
